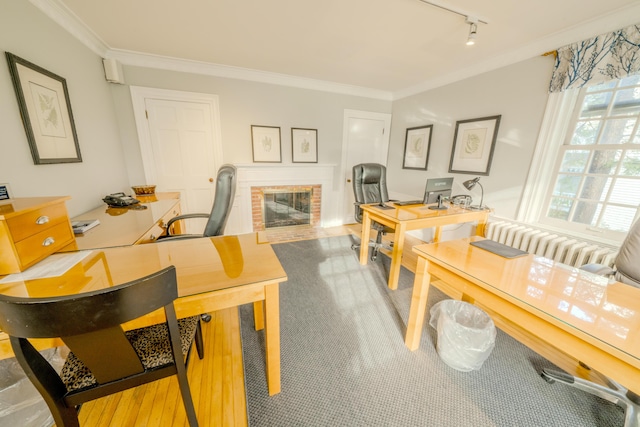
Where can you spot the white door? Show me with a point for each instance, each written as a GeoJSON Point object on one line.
{"type": "Point", "coordinates": [365, 140]}
{"type": "Point", "coordinates": [181, 148]}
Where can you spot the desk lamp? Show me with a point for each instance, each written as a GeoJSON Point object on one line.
{"type": "Point", "coordinates": [469, 185]}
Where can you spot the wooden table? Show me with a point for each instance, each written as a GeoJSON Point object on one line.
{"type": "Point", "coordinates": [129, 226]}
{"type": "Point", "coordinates": [544, 304]}
{"type": "Point", "coordinates": [213, 274]}
{"type": "Point", "coordinates": [413, 217]}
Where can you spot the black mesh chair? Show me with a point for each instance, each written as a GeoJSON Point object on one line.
{"type": "Point", "coordinates": [370, 186]}
{"type": "Point", "coordinates": [103, 358]}
{"type": "Point", "coordinates": [627, 271]}
{"type": "Point", "coordinates": [222, 204]}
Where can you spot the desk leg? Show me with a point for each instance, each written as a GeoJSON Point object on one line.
{"type": "Point", "coordinates": [364, 237]}
{"type": "Point", "coordinates": [396, 255]}
{"type": "Point", "coordinates": [272, 337]}
{"type": "Point", "coordinates": [418, 305]}
{"type": "Point", "coordinates": [258, 315]}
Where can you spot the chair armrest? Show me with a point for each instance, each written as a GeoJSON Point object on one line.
{"type": "Point", "coordinates": [181, 217]}
{"type": "Point", "coordinates": [599, 269]}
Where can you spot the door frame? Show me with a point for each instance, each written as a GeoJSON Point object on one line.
{"type": "Point", "coordinates": [357, 114]}
{"type": "Point", "coordinates": [138, 96]}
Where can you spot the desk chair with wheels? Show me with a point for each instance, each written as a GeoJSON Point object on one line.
{"type": "Point", "coordinates": [627, 271]}
{"type": "Point", "coordinates": [370, 186]}
{"type": "Point", "coordinates": [103, 359]}
{"type": "Point", "coordinates": [222, 204]}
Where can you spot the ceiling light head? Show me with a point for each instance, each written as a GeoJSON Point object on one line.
{"type": "Point", "coordinates": [473, 28]}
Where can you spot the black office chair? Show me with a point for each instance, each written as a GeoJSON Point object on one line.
{"type": "Point", "coordinates": [103, 359]}
{"type": "Point", "coordinates": [370, 186]}
{"type": "Point", "coordinates": [627, 271]}
{"type": "Point", "coordinates": [222, 203]}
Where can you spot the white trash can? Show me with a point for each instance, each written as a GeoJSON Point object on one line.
{"type": "Point", "coordinates": [466, 334]}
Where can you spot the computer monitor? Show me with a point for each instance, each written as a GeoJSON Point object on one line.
{"type": "Point", "coordinates": [436, 190]}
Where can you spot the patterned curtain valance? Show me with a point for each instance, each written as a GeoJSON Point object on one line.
{"type": "Point", "coordinates": [605, 57]}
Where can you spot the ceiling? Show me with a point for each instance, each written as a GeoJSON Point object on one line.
{"type": "Point", "coordinates": [395, 47]}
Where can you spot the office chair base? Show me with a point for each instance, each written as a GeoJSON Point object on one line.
{"type": "Point", "coordinates": [616, 394]}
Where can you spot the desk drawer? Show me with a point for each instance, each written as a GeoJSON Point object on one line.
{"type": "Point", "coordinates": [43, 244]}
{"type": "Point", "coordinates": [151, 235]}
{"type": "Point", "coordinates": [32, 222]}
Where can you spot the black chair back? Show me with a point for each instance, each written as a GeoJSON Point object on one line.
{"type": "Point", "coordinates": [223, 201]}
{"type": "Point", "coordinates": [369, 185]}
{"type": "Point", "coordinates": [90, 325]}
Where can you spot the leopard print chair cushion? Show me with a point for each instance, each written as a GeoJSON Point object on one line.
{"type": "Point", "coordinates": [151, 343]}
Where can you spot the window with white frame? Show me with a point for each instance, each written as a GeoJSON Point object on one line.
{"type": "Point", "coordinates": [595, 184]}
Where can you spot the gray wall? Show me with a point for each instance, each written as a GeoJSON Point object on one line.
{"type": "Point", "coordinates": [245, 103]}
{"type": "Point", "coordinates": [27, 33]}
{"type": "Point", "coordinates": [518, 93]}
{"type": "Point", "coordinates": [108, 138]}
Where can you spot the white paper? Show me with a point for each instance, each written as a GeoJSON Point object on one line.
{"type": "Point", "coordinates": [52, 266]}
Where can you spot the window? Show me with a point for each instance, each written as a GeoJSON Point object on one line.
{"type": "Point", "coordinates": [595, 184]}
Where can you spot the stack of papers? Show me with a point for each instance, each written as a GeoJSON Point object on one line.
{"type": "Point", "coordinates": [82, 226]}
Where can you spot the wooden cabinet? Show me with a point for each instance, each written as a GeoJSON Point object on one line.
{"type": "Point", "coordinates": [32, 229]}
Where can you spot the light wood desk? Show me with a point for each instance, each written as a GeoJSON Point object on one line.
{"type": "Point", "coordinates": [543, 304]}
{"type": "Point", "coordinates": [213, 274]}
{"type": "Point", "coordinates": [126, 226]}
{"type": "Point", "coordinates": [413, 217]}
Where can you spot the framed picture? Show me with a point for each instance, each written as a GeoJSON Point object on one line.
{"type": "Point", "coordinates": [266, 144]}
{"type": "Point", "coordinates": [304, 145]}
{"type": "Point", "coordinates": [473, 145]}
{"type": "Point", "coordinates": [416, 147]}
{"type": "Point", "coordinates": [44, 104]}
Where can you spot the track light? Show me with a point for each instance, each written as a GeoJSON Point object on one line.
{"type": "Point", "coordinates": [473, 28]}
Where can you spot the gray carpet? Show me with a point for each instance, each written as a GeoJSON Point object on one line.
{"type": "Point", "coordinates": [344, 362]}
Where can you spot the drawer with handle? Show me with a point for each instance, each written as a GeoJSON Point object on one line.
{"type": "Point", "coordinates": [42, 244]}
{"type": "Point", "coordinates": [28, 223]}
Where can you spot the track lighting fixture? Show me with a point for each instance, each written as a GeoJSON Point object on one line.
{"type": "Point", "coordinates": [472, 20]}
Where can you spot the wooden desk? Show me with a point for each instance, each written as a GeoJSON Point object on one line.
{"type": "Point", "coordinates": [213, 274]}
{"type": "Point", "coordinates": [126, 226]}
{"type": "Point", "coordinates": [413, 217]}
{"type": "Point", "coordinates": [539, 302]}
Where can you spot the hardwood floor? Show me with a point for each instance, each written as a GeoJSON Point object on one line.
{"type": "Point", "coordinates": [217, 381]}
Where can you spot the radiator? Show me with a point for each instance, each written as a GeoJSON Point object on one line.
{"type": "Point", "coordinates": [558, 247]}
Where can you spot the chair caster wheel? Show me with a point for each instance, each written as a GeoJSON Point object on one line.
{"type": "Point", "coordinates": [205, 317]}
{"type": "Point", "coordinates": [373, 257]}
{"type": "Point", "coordinates": [354, 247]}
{"type": "Point", "coordinates": [548, 379]}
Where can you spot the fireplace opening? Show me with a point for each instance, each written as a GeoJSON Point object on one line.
{"type": "Point", "coordinates": [286, 208]}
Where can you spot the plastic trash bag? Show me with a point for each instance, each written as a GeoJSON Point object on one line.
{"type": "Point", "coordinates": [466, 334]}
{"type": "Point", "coordinates": [20, 403]}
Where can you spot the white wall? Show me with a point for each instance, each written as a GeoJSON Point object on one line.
{"type": "Point", "coordinates": [518, 93]}
{"type": "Point", "coordinates": [27, 33]}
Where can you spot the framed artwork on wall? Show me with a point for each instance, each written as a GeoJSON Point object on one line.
{"type": "Point", "coordinates": [44, 105]}
{"type": "Point", "coordinates": [416, 147]}
{"type": "Point", "coordinates": [473, 144]}
{"type": "Point", "coordinates": [304, 145]}
{"type": "Point", "coordinates": [265, 141]}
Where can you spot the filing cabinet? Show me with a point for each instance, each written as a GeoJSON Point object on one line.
{"type": "Point", "coordinates": [32, 229]}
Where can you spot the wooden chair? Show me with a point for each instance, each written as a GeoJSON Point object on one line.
{"type": "Point", "coordinates": [103, 358]}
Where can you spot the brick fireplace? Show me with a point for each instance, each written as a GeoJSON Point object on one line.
{"type": "Point", "coordinates": [260, 194]}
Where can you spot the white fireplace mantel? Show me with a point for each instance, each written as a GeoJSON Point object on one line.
{"type": "Point", "coordinates": [262, 175]}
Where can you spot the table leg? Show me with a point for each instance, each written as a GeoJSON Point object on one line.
{"type": "Point", "coordinates": [364, 237]}
{"type": "Point", "coordinates": [418, 305]}
{"type": "Point", "coordinates": [396, 255]}
{"type": "Point", "coordinates": [258, 315]}
{"type": "Point", "coordinates": [272, 337]}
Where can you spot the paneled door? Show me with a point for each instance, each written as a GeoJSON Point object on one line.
{"type": "Point", "coordinates": [180, 143]}
{"type": "Point", "coordinates": [365, 140]}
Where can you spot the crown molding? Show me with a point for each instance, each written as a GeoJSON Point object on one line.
{"type": "Point", "coordinates": [138, 59]}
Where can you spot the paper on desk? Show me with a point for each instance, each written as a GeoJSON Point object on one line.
{"type": "Point", "coordinates": [52, 266]}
